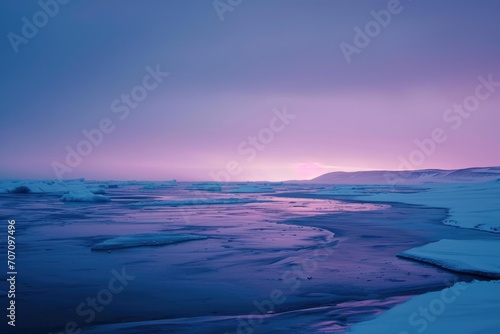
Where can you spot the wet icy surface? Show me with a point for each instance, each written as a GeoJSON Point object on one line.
{"type": "Point", "coordinates": [145, 240]}
{"type": "Point", "coordinates": [332, 263]}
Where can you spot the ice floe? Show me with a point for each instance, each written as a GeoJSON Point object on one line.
{"type": "Point", "coordinates": [97, 191]}
{"type": "Point", "coordinates": [71, 190]}
{"type": "Point", "coordinates": [40, 187]}
{"type": "Point", "coordinates": [84, 195]}
{"type": "Point", "coordinates": [468, 256]}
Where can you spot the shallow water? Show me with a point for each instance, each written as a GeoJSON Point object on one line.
{"type": "Point", "coordinates": [297, 264]}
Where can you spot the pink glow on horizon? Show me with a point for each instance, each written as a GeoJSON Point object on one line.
{"type": "Point", "coordinates": [226, 79]}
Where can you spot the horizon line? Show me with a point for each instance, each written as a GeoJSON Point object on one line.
{"type": "Point", "coordinates": [247, 181]}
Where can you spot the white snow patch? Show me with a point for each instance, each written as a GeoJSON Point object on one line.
{"type": "Point", "coordinates": [464, 308]}
{"type": "Point", "coordinates": [468, 256]}
{"type": "Point", "coordinates": [147, 239]}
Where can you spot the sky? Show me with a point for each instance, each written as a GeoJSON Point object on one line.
{"type": "Point", "coordinates": [246, 90]}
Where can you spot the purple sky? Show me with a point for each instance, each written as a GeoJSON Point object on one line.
{"type": "Point", "coordinates": [228, 79]}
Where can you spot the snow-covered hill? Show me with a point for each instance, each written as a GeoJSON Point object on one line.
{"type": "Point", "coordinates": [480, 174]}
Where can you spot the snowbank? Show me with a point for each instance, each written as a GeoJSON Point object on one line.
{"type": "Point", "coordinates": [464, 308]}
{"type": "Point", "coordinates": [468, 256]}
{"type": "Point", "coordinates": [84, 195]}
{"type": "Point", "coordinates": [148, 239]}
{"type": "Point", "coordinates": [215, 201]}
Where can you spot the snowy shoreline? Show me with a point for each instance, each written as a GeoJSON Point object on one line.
{"type": "Point", "coordinates": [471, 206]}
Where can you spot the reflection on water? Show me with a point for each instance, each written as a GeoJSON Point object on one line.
{"type": "Point", "coordinates": [333, 261]}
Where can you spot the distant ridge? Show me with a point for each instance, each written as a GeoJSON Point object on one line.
{"type": "Point", "coordinates": [477, 174]}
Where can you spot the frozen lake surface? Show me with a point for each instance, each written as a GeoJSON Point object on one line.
{"type": "Point", "coordinates": [288, 259]}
